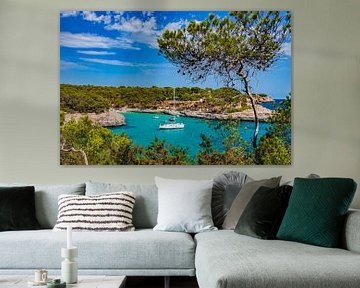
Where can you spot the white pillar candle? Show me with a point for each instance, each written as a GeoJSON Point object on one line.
{"type": "Point", "coordinates": [69, 237]}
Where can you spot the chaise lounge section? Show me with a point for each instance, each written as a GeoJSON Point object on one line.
{"type": "Point", "coordinates": [225, 259]}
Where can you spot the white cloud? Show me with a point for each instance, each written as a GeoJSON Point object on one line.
{"type": "Point", "coordinates": [131, 29]}
{"type": "Point", "coordinates": [286, 49]}
{"type": "Point", "coordinates": [149, 40]}
{"type": "Point", "coordinates": [137, 30]}
{"type": "Point", "coordinates": [86, 40]}
{"type": "Point", "coordinates": [92, 17]}
{"type": "Point", "coordinates": [117, 16]}
{"type": "Point", "coordinates": [147, 13]}
{"type": "Point", "coordinates": [92, 52]}
{"type": "Point", "coordinates": [175, 25]}
{"type": "Point", "coordinates": [69, 13]}
{"type": "Point", "coordinates": [66, 65]}
{"type": "Point", "coordinates": [115, 62]}
{"type": "Point", "coordinates": [108, 62]}
{"type": "Point", "coordinates": [142, 31]}
{"type": "Point", "coordinates": [134, 25]}
{"type": "Point", "coordinates": [149, 27]}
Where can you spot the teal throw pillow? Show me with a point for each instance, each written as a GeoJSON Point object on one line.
{"type": "Point", "coordinates": [316, 211]}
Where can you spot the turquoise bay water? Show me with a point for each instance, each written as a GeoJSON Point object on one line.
{"type": "Point", "coordinates": [142, 128]}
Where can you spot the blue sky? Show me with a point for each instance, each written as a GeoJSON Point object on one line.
{"type": "Point", "coordinates": [114, 48]}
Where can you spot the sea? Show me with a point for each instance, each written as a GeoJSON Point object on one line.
{"type": "Point", "coordinates": [142, 128]}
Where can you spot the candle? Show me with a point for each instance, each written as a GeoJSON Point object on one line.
{"type": "Point", "coordinates": [69, 237]}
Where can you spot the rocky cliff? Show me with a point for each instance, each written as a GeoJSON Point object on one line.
{"type": "Point", "coordinates": [109, 118]}
{"type": "Point", "coordinates": [264, 114]}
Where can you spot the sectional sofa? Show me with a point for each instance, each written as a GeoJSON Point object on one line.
{"type": "Point", "coordinates": [219, 259]}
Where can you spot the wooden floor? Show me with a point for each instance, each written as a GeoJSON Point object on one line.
{"type": "Point", "coordinates": [158, 282]}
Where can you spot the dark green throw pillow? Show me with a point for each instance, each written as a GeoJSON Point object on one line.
{"type": "Point", "coordinates": [263, 214]}
{"type": "Point", "coordinates": [316, 211]}
{"type": "Point", "coordinates": [17, 209]}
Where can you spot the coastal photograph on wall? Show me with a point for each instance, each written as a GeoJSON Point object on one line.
{"type": "Point", "coordinates": [175, 88]}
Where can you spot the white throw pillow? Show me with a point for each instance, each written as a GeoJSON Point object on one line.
{"type": "Point", "coordinates": [184, 205]}
{"type": "Point", "coordinates": [105, 212]}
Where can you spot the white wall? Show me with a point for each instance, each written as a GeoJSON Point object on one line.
{"type": "Point", "coordinates": [326, 90]}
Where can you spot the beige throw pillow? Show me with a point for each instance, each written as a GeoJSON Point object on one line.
{"type": "Point", "coordinates": [243, 198]}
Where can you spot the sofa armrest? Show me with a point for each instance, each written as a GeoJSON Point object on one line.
{"type": "Point", "coordinates": [351, 234]}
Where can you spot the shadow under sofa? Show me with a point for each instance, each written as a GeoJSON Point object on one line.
{"type": "Point", "coordinates": [220, 259]}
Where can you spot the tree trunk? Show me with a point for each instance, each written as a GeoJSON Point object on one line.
{"type": "Point", "coordinates": [256, 118]}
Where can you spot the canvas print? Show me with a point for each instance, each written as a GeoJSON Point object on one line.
{"type": "Point", "coordinates": [175, 88]}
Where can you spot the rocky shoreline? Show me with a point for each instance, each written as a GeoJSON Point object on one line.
{"type": "Point", "coordinates": [114, 117]}
{"type": "Point", "coordinates": [264, 114]}
{"type": "Point", "coordinates": [263, 99]}
{"type": "Point", "coordinates": [109, 118]}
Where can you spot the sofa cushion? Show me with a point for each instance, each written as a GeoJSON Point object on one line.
{"type": "Point", "coordinates": [225, 189]}
{"type": "Point", "coordinates": [46, 200]}
{"type": "Point", "coordinates": [243, 198]}
{"type": "Point", "coordinates": [317, 210]}
{"type": "Point", "coordinates": [146, 205]}
{"type": "Point", "coordinates": [225, 259]}
{"type": "Point", "coordinates": [184, 205]}
{"type": "Point", "coordinates": [17, 208]}
{"type": "Point", "coordinates": [263, 215]}
{"type": "Point", "coordinates": [105, 212]}
{"type": "Point", "coordinates": [143, 249]}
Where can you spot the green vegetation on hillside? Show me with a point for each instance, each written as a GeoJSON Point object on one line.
{"type": "Point", "coordinates": [86, 143]}
{"type": "Point", "coordinates": [89, 98]}
{"type": "Point", "coordinates": [275, 146]}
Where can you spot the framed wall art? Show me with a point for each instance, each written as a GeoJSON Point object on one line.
{"type": "Point", "coordinates": [175, 88]}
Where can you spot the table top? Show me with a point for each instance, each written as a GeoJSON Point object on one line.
{"type": "Point", "coordinates": [84, 281]}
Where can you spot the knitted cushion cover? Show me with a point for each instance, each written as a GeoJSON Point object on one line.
{"type": "Point", "coordinates": [105, 212]}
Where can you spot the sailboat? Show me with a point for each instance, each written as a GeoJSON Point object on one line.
{"type": "Point", "coordinates": [173, 124]}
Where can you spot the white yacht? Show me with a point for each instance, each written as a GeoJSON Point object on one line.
{"type": "Point", "coordinates": [172, 124]}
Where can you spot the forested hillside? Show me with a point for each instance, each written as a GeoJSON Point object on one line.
{"type": "Point", "coordinates": [89, 98]}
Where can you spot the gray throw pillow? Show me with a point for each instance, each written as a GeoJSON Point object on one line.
{"type": "Point", "coordinates": [46, 200]}
{"type": "Point", "coordinates": [226, 187]}
{"type": "Point", "coordinates": [310, 176]}
{"type": "Point", "coordinates": [242, 199]}
{"type": "Point", "coordinates": [184, 205]}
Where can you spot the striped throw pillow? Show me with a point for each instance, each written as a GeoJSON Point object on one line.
{"type": "Point", "coordinates": [105, 212]}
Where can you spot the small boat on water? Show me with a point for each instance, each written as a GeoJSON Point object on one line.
{"type": "Point", "coordinates": [172, 124]}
